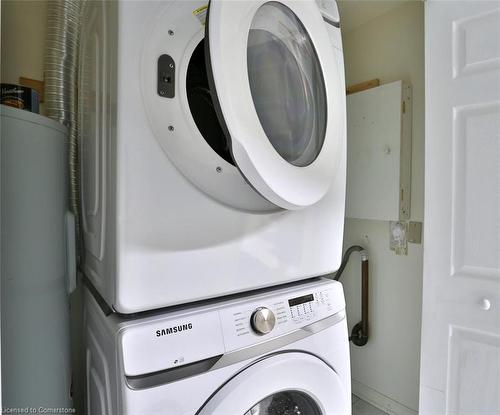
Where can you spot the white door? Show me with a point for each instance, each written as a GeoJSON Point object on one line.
{"type": "Point", "coordinates": [278, 93]}
{"type": "Point", "coordinates": [284, 383]}
{"type": "Point", "coordinates": [460, 357]}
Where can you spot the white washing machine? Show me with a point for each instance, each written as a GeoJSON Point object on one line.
{"type": "Point", "coordinates": [281, 352]}
{"type": "Point", "coordinates": [212, 147]}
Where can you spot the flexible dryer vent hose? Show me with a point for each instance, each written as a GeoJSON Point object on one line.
{"type": "Point", "coordinates": [61, 76]}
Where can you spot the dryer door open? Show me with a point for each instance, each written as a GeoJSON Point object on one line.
{"type": "Point", "coordinates": [283, 383]}
{"type": "Point", "coordinates": [278, 93]}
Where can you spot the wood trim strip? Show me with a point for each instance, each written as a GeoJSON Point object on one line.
{"type": "Point", "coordinates": [372, 83]}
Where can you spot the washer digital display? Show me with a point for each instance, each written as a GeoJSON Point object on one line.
{"type": "Point", "coordinates": [300, 300]}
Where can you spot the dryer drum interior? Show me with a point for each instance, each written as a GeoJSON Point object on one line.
{"type": "Point", "coordinates": [202, 106]}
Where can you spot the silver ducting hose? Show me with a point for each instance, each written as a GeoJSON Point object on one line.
{"type": "Point", "coordinates": [61, 77]}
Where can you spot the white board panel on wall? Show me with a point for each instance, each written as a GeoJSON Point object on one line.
{"type": "Point", "coordinates": [379, 153]}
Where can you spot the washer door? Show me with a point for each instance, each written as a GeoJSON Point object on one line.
{"type": "Point", "coordinates": [277, 90]}
{"type": "Point", "coordinates": [285, 383]}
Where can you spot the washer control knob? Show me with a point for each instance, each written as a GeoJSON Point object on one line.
{"type": "Point", "coordinates": [262, 320]}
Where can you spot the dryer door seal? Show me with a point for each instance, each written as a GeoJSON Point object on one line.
{"type": "Point", "coordinates": [280, 381]}
{"type": "Point", "coordinates": [277, 90]}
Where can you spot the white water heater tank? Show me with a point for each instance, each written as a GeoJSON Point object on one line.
{"type": "Point", "coordinates": [35, 266]}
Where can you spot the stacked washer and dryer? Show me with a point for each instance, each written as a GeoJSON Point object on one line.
{"type": "Point", "coordinates": [213, 173]}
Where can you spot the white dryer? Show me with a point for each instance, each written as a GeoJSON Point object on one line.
{"type": "Point", "coordinates": [212, 147]}
{"type": "Point", "coordinates": [281, 352]}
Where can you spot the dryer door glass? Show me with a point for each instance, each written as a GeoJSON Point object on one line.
{"type": "Point", "coordinates": [286, 84]}
{"type": "Point", "coordinates": [286, 402]}
{"type": "Point", "coordinates": [278, 91]}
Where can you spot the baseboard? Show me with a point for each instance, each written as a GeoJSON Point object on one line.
{"type": "Point", "coordinates": [379, 400]}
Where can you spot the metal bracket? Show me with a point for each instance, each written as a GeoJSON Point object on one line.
{"type": "Point", "coordinates": [415, 232]}
{"type": "Point", "coordinates": [166, 76]}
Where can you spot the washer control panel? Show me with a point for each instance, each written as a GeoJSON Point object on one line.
{"type": "Point", "coordinates": [158, 342]}
{"type": "Point", "coordinates": [252, 322]}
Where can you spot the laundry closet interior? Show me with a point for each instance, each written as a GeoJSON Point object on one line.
{"type": "Point", "coordinates": [223, 240]}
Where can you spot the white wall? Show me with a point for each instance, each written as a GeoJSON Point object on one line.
{"type": "Point", "coordinates": [389, 47]}
{"type": "Point", "coordinates": [24, 25]}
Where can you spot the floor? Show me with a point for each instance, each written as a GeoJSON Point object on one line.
{"type": "Point", "coordinates": [360, 407]}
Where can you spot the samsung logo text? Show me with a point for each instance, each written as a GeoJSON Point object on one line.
{"type": "Point", "coordinates": [174, 329]}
